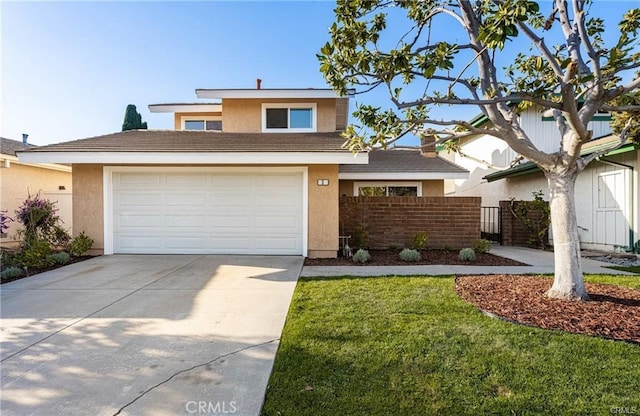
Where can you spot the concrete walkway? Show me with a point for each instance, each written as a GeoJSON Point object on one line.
{"type": "Point", "coordinates": [144, 335]}
{"type": "Point", "coordinates": [539, 262]}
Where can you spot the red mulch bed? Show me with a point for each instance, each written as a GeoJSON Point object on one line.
{"type": "Point", "coordinates": [392, 258]}
{"type": "Point", "coordinates": [613, 311]}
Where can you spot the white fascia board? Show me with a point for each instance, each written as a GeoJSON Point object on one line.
{"type": "Point", "coordinates": [401, 176]}
{"type": "Point", "coordinates": [185, 108]}
{"type": "Point", "coordinates": [197, 158]}
{"type": "Point", "coordinates": [268, 93]}
{"type": "Point", "coordinates": [51, 166]}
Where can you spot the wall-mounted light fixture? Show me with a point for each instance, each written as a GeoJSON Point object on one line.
{"type": "Point", "coordinates": [323, 182]}
{"type": "Point", "coordinates": [62, 188]}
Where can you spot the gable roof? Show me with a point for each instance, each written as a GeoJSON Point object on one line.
{"type": "Point", "coordinates": [593, 146]}
{"type": "Point", "coordinates": [198, 147]}
{"type": "Point", "coordinates": [10, 147]}
{"type": "Point", "coordinates": [399, 164]}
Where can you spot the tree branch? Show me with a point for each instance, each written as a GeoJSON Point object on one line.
{"type": "Point", "coordinates": [583, 162]}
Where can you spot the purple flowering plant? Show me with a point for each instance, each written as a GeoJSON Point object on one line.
{"type": "Point", "coordinates": [39, 217]}
{"type": "Point", "coordinates": [4, 221]}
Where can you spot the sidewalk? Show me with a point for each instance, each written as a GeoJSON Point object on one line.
{"type": "Point", "coordinates": [540, 262]}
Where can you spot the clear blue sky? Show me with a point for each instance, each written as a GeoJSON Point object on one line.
{"type": "Point", "coordinates": [70, 69]}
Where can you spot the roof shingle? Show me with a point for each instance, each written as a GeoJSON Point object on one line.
{"type": "Point", "coordinates": [201, 141]}
{"type": "Point", "coordinates": [10, 147]}
{"type": "Point", "coordinates": [402, 160]}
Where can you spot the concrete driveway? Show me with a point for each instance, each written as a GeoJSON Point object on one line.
{"type": "Point", "coordinates": [144, 335]}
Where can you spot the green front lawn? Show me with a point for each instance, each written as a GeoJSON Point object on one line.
{"type": "Point", "coordinates": [410, 346]}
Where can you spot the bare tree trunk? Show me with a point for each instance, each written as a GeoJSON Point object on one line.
{"type": "Point", "coordinates": [568, 282]}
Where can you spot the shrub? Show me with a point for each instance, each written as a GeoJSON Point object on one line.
{"type": "Point", "coordinates": [38, 215]}
{"type": "Point", "coordinates": [361, 256]}
{"type": "Point", "coordinates": [410, 255]}
{"type": "Point", "coordinates": [467, 254]}
{"type": "Point", "coordinates": [447, 248]}
{"type": "Point", "coordinates": [11, 272]}
{"type": "Point", "coordinates": [420, 240]}
{"type": "Point", "coordinates": [535, 217]}
{"type": "Point", "coordinates": [482, 246]}
{"type": "Point", "coordinates": [60, 258]}
{"type": "Point", "coordinates": [360, 238]}
{"type": "Point", "coordinates": [80, 244]}
{"type": "Point", "coordinates": [34, 255]}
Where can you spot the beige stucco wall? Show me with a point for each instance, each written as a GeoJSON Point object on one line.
{"type": "Point", "coordinates": [323, 207]}
{"type": "Point", "coordinates": [18, 181]}
{"type": "Point", "coordinates": [245, 115]}
{"type": "Point", "coordinates": [177, 117]}
{"type": "Point", "coordinates": [429, 188]}
{"type": "Point", "coordinates": [88, 215]}
{"type": "Point", "coordinates": [323, 211]}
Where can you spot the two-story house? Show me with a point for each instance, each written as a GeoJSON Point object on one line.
{"type": "Point", "coordinates": [246, 171]}
{"type": "Point", "coordinates": [606, 191]}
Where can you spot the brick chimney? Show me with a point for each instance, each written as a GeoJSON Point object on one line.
{"type": "Point", "coordinates": [428, 145]}
{"type": "Point", "coordinates": [258, 83]}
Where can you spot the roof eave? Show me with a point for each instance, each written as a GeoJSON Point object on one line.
{"type": "Point", "coordinates": [310, 93]}
{"type": "Point", "coordinates": [183, 108]}
{"type": "Point", "coordinates": [401, 176]}
{"type": "Point", "coordinates": [195, 158]}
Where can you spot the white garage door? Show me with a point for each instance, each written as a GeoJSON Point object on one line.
{"type": "Point", "coordinates": [207, 212]}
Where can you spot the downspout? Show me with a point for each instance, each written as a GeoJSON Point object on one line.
{"type": "Point", "coordinates": [631, 210]}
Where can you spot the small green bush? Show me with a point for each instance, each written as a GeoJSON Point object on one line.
{"type": "Point", "coordinates": [467, 254]}
{"type": "Point", "coordinates": [11, 272]}
{"type": "Point", "coordinates": [361, 256]}
{"type": "Point", "coordinates": [420, 240]}
{"type": "Point", "coordinates": [80, 244]}
{"type": "Point", "coordinates": [482, 246]}
{"type": "Point", "coordinates": [35, 255]}
{"type": "Point", "coordinates": [60, 258]}
{"type": "Point", "coordinates": [410, 255]}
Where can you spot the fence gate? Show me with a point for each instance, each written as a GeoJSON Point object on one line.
{"type": "Point", "coordinates": [491, 224]}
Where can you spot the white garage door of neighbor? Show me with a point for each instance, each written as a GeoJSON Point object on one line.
{"type": "Point", "coordinates": [207, 212]}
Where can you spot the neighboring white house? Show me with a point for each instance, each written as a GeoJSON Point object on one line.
{"type": "Point", "coordinates": [606, 191]}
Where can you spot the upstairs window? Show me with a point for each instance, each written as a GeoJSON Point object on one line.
{"type": "Point", "coordinates": [292, 118]}
{"type": "Point", "coordinates": [201, 123]}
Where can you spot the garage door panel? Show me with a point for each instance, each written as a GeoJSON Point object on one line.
{"type": "Point", "coordinates": [134, 180]}
{"type": "Point", "coordinates": [186, 200]}
{"type": "Point", "coordinates": [207, 212]}
{"type": "Point", "coordinates": [275, 244]}
{"type": "Point", "coordinates": [278, 223]}
{"type": "Point", "coordinates": [271, 180]}
{"type": "Point", "coordinates": [231, 180]}
{"type": "Point", "coordinates": [184, 243]}
{"type": "Point", "coordinates": [131, 222]}
{"type": "Point", "coordinates": [187, 180]}
{"type": "Point", "coordinates": [179, 222]}
{"type": "Point", "coordinates": [129, 243]}
{"type": "Point", "coordinates": [229, 221]}
{"type": "Point", "coordinates": [126, 199]}
{"type": "Point", "coordinates": [223, 242]}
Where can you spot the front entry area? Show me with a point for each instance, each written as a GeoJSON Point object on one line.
{"type": "Point", "coordinates": [206, 210]}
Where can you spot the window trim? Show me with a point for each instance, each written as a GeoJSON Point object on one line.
{"type": "Point", "coordinates": [184, 119]}
{"type": "Point", "coordinates": [387, 184]}
{"type": "Point", "coordinates": [288, 106]}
